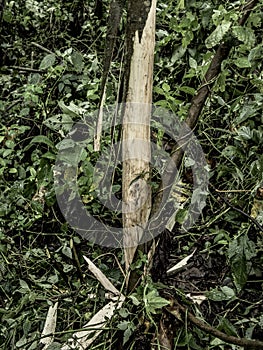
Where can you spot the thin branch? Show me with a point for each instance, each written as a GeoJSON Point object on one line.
{"type": "Point", "coordinates": [42, 47]}
{"type": "Point", "coordinates": [26, 69]}
{"type": "Point", "coordinates": [115, 13]}
{"type": "Point", "coordinates": [197, 104]}
{"type": "Point", "coordinates": [244, 342]}
{"type": "Point", "coordinates": [13, 104]}
{"type": "Point", "coordinates": [246, 10]}
{"type": "Point", "coordinates": [232, 191]}
{"type": "Point", "coordinates": [239, 210]}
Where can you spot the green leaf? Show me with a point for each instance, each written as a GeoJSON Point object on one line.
{"type": "Point", "coordinates": [221, 81]}
{"type": "Point", "coordinates": [227, 327]}
{"type": "Point", "coordinates": [53, 279]}
{"type": "Point", "coordinates": [123, 312]}
{"type": "Point", "coordinates": [154, 302]}
{"type": "Point", "coordinates": [116, 188]}
{"type": "Point", "coordinates": [158, 90]}
{"type": "Point", "coordinates": [7, 15]}
{"type": "Point", "coordinates": [246, 112]}
{"type": "Point", "coordinates": [21, 342]}
{"type": "Point", "coordinates": [67, 251]}
{"type": "Point", "coordinates": [178, 53]}
{"type": "Point", "coordinates": [239, 174]}
{"type": "Point", "coordinates": [166, 87]}
{"type": "Point", "coordinates": [249, 248]}
{"type": "Point", "coordinates": [224, 293]}
{"type": "Point", "coordinates": [188, 90]}
{"type": "Point", "coordinates": [244, 133]}
{"type": "Point", "coordinates": [66, 143]}
{"type": "Point", "coordinates": [192, 63]}
{"type": "Point", "coordinates": [181, 215]}
{"type": "Point", "coordinates": [135, 301]}
{"type": "Point", "coordinates": [128, 332]}
{"type": "Point", "coordinates": [48, 61]}
{"type": "Point", "coordinates": [181, 5]}
{"type": "Point", "coordinates": [77, 61]}
{"type": "Point", "coordinates": [72, 110]}
{"type": "Point", "coordinates": [187, 38]}
{"type": "Point", "coordinates": [42, 139]}
{"type": "Point", "coordinates": [240, 251]}
{"type": "Point", "coordinates": [54, 346]}
{"type": "Point", "coordinates": [239, 271]}
{"type": "Point", "coordinates": [33, 79]}
{"type": "Point", "coordinates": [59, 122]}
{"type": "Point", "coordinates": [256, 53]}
{"type": "Point", "coordinates": [242, 62]}
{"type": "Point", "coordinates": [49, 155]}
{"type": "Point", "coordinates": [26, 326]}
{"type": "Point", "coordinates": [7, 152]}
{"type": "Point", "coordinates": [218, 34]}
{"type": "Point", "coordinates": [244, 34]}
{"type": "Point", "coordinates": [230, 151]}
{"type": "Point", "coordinates": [10, 144]}
{"type": "Point", "coordinates": [23, 284]}
{"type": "Point", "coordinates": [123, 325]}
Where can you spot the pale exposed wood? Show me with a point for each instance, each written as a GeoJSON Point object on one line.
{"type": "Point", "coordinates": [136, 138]}
{"type": "Point", "coordinates": [102, 278]}
{"type": "Point", "coordinates": [180, 265]}
{"type": "Point", "coordinates": [49, 327]}
{"type": "Point", "coordinates": [83, 339]}
{"type": "Point", "coordinates": [97, 136]}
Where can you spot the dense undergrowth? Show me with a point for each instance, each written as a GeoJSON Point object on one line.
{"type": "Point", "coordinates": [51, 65]}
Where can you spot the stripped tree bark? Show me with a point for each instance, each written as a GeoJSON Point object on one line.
{"type": "Point", "coordinates": [140, 41]}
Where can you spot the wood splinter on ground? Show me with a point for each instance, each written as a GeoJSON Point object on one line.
{"type": "Point", "coordinates": [95, 326]}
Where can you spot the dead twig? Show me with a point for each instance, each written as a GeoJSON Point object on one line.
{"type": "Point", "coordinates": [41, 47]}
{"type": "Point", "coordinates": [26, 69]}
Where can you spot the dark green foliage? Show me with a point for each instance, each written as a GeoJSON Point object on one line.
{"type": "Point", "coordinates": [50, 78]}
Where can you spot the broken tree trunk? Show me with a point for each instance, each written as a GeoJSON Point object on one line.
{"type": "Point", "coordinates": [136, 152]}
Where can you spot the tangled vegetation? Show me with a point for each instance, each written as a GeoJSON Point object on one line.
{"type": "Point", "coordinates": [51, 67]}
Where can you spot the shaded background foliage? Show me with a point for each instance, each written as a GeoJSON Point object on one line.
{"type": "Point", "coordinates": [51, 65]}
